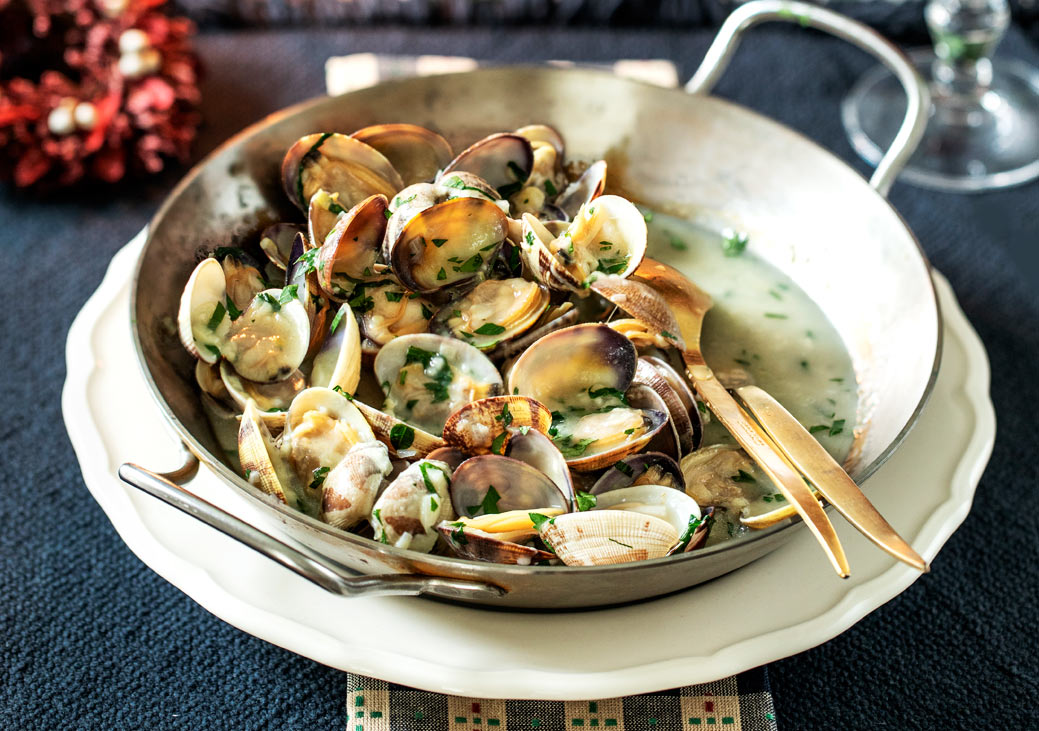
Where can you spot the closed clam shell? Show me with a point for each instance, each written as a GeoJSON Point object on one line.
{"type": "Point", "coordinates": [602, 537]}
{"type": "Point", "coordinates": [349, 489]}
{"type": "Point", "coordinates": [338, 164]}
{"type": "Point", "coordinates": [476, 427]}
{"type": "Point", "coordinates": [407, 512]}
{"type": "Point", "coordinates": [415, 152]}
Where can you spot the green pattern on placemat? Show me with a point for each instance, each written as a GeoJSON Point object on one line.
{"type": "Point", "coordinates": [741, 703]}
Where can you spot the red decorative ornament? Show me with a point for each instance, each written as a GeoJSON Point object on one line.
{"type": "Point", "coordinates": [93, 89]}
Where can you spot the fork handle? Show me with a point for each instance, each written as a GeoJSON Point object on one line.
{"type": "Point", "coordinates": [832, 482]}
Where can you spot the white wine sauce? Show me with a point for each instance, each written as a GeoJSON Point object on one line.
{"type": "Point", "coordinates": [763, 323]}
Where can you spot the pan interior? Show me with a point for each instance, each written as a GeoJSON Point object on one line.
{"type": "Point", "coordinates": [705, 160]}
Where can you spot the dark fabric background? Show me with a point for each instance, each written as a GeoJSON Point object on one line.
{"type": "Point", "coordinates": [91, 638]}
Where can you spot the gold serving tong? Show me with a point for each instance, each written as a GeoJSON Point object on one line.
{"type": "Point", "coordinates": [781, 447]}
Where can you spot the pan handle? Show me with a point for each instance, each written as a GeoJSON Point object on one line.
{"type": "Point", "coordinates": [758, 11]}
{"type": "Point", "coordinates": [306, 563]}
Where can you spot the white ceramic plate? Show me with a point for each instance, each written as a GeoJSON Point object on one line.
{"type": "Point", "coordinates": [782, 604]}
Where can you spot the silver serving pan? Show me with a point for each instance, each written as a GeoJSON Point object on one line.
{"type": "Point", "coordinates": [690, 154]}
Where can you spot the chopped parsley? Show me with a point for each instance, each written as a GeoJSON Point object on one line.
{"type": "Point", "coordinates": [377, 514]}
{"type": "Point", "coordinates": [458, 184]}
{"type": "Point", "coordinates": [222, 252]}
{"type": "Point", "coordinates": [606, 391]}
{"type": "Point", "coordinates": [337, 319]}
{"type": "Point", "coordinates": [744, 477]}
{"type": "Point", "coordinates": [217, 317]}
{"type": "Point", "coordinates": [505, 416]}
{"type": "Point", "coordinates": [611, 540]}
{"type": "Point", "coordinates": [441, 275]}
{"type": "Point", "coordinates": [550, 188]}
{"type": "Point", "coordinates": [458, 534]}
{"type": "Point", "coordinates": [342, 392]}
{"type": "Point", "coordinates": [539, 519]}
{"type": "Point", "coordinates": [426, 312]}
{"type": "Point", "coordinates": [837, 427]}
{"type": "Point", "coordinates": [818, 428]}
{"type": "Point", "coordinates": [776, 315]}
{"type": "Point", "coordinates": [319, 477]}
{"type": "Point", "coordinates": [668, 335]}
{"type": "Point", "coordinates": [529, 238]}
{"type": "Point", "coordinates": [402, 436]}
{"type": "Point", "coordinates": [569, 448]}
{"type": "Point", "coordinates": [648, 215]}
{"type": "Point", "coordinates": [309, 260]}
{"type": "Point", "coordinates": [687, 534]}
{"type": "Point", "coordinates": [734, 243]}
{"type": "Point", "coordinates": [498, 443]}
{"type": "Point", "coordinates": [585, 501]}
{"type": "Point", "coordinates": [471, 264]}
{"type": "Point", "coordinates": [624, 468]}
{"type": "Point", "coordinates": [614, 265]}
{"type": "Point", "coordinates": [439, 242]}
{"type": "Point", "coordinates": [677, 243]}
{"type": "Point", "coordinates": [232, 310]}
{"type": "Point", "coordinates": [489, 504]}
{"type": "Point", "coordinates": [424, 468]}
{"type": "Point", "coordinates": [489, 328]}
{"type": "Point", "coordinates": [212, 349]}
{"type": "Point", "coordinates": [269, 299]}
{"type": "Point", "coordinates": [394, 296]}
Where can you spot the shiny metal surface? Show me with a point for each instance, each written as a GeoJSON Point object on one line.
{"type": "Point", "coordinates": [713, 162]}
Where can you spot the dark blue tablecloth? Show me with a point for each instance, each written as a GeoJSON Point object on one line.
{"type": "Point", "coordinates": [92, 638]}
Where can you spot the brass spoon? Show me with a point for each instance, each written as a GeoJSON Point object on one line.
{"type": "Point", "coordinates": [689, 304]}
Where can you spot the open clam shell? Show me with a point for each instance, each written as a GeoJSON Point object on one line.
{"type": "Point", "coordinates": [263, 462]}
{"type": "Point", "coordinates": [494, 311]}
{"type": "Point", "coordinates": [497, 537]}
{"type": "Point", "coordinates": [543, 133]}
{"type": "Point", "coordinates": [405, 515]}
{"type": "Point", "coordinates": [202, 320]}
{"type": "Point", "coordinates": [427, 377]}
{"type": "Point", "coordinates": [504, 160]}
{"type": "Point", "coordinates": [585, 189]}
{"type": "Point", "coordinates": [338, 164]}
{"type": "Point", "coordinates": [321, 426]}
{"type": "Point", "coordinates": [658, 501]}
{"type": "Point", "coordinates": [269, 341]}
{"type": "Point", "coordinates": [448, 243]}
{"type": "Point", "coordinates": [606, 236]}
{"type": "Point", "coordinates": [687, 425]}
{"type": "Point", "coordinates": [603, 537]}
{"type": "Point", "coordinates": [350, 251]}
{"type": "Point", "coordinates": [490, 483]}
{"type": "Point", "coordinates": [269, 398]}
{"type": "Point", "coordinates": [349, 489]}
{"type": "Point", "coordinates": [644, 303]}
{"type": "Point", "coordinates": [301, 275]}
{"type": "Point", "coordinates": [388, 310]}
{"type": "Point", "coordinates": [487, 426]}
{"type": "Point", "coordinates": [338, 362]}
{"type": "Point", "coordinates": [276, 243]}
{"type": "Point", "coordinates": [537, 450]}
{"type": "Point", "coordinates": [415, 152]}
{"type": "Point", "coordinates": [653, 468]}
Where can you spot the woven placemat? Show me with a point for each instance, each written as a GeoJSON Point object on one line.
{"type": "Point", "coordinates": [742, 702]}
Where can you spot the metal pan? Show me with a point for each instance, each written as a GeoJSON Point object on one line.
{"type": "Point", "coordinates": [687, 153]}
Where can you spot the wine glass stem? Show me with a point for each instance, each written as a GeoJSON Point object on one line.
{"type": "Point", "coordinates": [965, 34]}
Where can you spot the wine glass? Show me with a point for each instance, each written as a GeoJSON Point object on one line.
{"type": "Point", "coordinates": [983, 128]}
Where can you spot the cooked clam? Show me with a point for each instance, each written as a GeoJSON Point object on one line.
{"type": "Point", "coordinates": [321, 427]}
{"type": "Point", "coordinates": [338, 363]}
{"type": "Point", "coordinates": [716, 475]}
{"type": "Point", "coordinates": [602, 537]}
{"type": "Point", "coordinates": [606, 236]}
{"type": "Point", "coordinates": [270, 339]}
{"type": "Point", "coordinates": [388, 310]}
{"type": "Point", "coordinates": [497, 537]}
{"type": "Point", "coordinates": [490, 483]}
{"type": "Point", "coordinates": [202, 317]}
{"type": "Point", "coordinates": [582, 373]}
{"type": "Point", "coordinates": [426, 377]}
{"type": "Point", "coordinates": [349, 489]}
{"type": "Point", "coordinates": [482, 427]}
{"type": "Point", "coordinates": [350, 251]}
{"type": "Point", "coordinates": [337, 164]}
{"type": "Point", "coordinates": [415, 152]}
{"type": "Point", "coordinates": [495, 310]}
{"type": "Point", "coordinates": [407, 512]}
{"type": "Point", "coordinates": [448, 243]}
{"type": "Point", "coordinates": [658, 501]}
{"type": "Point", "coordinates": [242, 280]}
{"type": "Point", "coordinates": [504, 160]}
{"type": "Point", "coordinates": [585, 189]}
{"type": "Point", "coordinates": [269, 398]}
{"type": "Point", "coordinates": [647, 468]}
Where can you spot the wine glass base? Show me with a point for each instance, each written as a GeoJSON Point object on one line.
{"type": "Point", "coordinates": [977, 144]}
